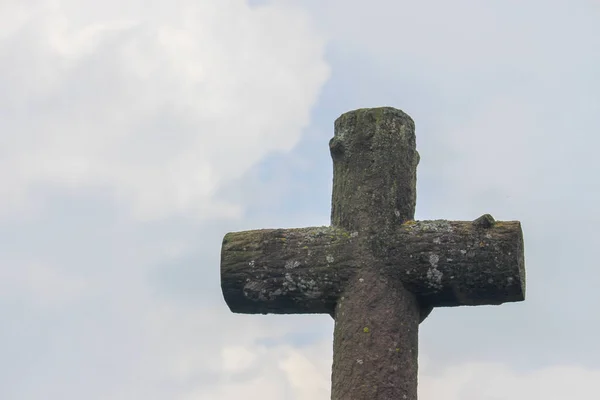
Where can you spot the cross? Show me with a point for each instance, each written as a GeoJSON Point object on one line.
{"type": "Point", "coordinates": [375, 270]}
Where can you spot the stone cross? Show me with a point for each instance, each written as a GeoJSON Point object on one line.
{"type": "Point", "coordinates": [375, 270]}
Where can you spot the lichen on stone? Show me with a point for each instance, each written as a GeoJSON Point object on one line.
{"type": "Point", "coordinates": [434, 275]}
{"type": "Point", "coordinates": [440, 225]}
{"type": "Point", "coordinates": [291, 264]}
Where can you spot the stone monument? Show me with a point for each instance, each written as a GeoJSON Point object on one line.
{"type": "Point", "coordinates": [375, 270]}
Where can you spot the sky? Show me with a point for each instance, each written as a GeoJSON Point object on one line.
{"type": "Point", "coordinates": [135, 134]}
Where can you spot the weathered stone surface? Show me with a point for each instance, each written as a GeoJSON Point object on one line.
{"type": "Point", "coordinates": [375, 173]}
{"type": "Point", "coordinates": [286, 270]}
{"type": "Point", "coordinates": [445, 263]}
{"type": "Point", "coordinates": [375, 340]}
{"type": "Point", "coordinates": [454, 263]}
{"type": "Point", "coordinates": [375, 270]}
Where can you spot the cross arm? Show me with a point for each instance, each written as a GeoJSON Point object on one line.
{"type": "Point", "coordinates": [284, 271]}
{"type": "Point", "coordinates": [453, 263]}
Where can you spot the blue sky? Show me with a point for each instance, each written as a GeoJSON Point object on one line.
{"type": "Point", "coordinates": [134, 135]}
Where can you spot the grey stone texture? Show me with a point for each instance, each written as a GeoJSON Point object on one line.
{"type": "Point", "coordinates": [375, 270]}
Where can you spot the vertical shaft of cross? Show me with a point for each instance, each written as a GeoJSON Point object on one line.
{"type": "Point", "coordinates": [376, 318]}
{"type": "Point", "coordinates": [375, 344]}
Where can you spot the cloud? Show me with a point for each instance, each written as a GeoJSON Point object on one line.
{"type": "Point", "coordinates": [500, 98]}
{"type": "Point", "coordinates": [159, 105]}
{"type": "Point", "coordinates": [190, 353]}
{"type": "Point", "coordinates": [40, 285]}
{"type": "Point", "coordinates": [287, 372]}
{"type": "Point", "coordinates": [308, 371]}
{"type": "Point", "coordinates": [489, 381]}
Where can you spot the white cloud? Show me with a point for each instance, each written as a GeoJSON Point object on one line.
{"type": "Point", "coordinates": [159, 104]}
{"type": "Point", "coordinates": [229, 347]}
{"type": "Point", "coordinates": [304, 374]}
{"type": "Point", "coordinates": [308, 371]}
{"type": "Point", "coordinates": [237, 358]}
{"type": "Point", "coordinates": [203, 354]}
{"type": "Point", "coordinates": [488, 381]}
{"type": "Point", "coordinates": [40, 285]}
{"type": "Point", "coordinates": [287, 372]}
